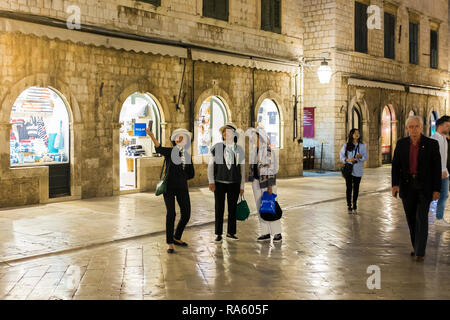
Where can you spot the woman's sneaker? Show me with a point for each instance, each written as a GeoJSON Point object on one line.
{"type": "Point", "coordinates": [264, 237]}
{"type": "Point", "coordinates": [218, 238]}
{"type": "Point", "coordinates": [232, 237]}
{"type": "Point", "coordinates": [277, 238]}
{"type": "Point", "coordinates": [349, 210]}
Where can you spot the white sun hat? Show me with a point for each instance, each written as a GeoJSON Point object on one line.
{"type": "Point", "coordinates": [178, 132]}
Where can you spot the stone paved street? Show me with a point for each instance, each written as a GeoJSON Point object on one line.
{"type": "Point", "coordinates": [114, 248]}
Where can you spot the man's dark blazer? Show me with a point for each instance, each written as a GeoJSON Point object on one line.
{"type": "Point", "coordinates": [429, 169]}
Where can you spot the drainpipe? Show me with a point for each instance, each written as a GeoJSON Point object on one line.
{"type": "Point", "coordinates": [192, 115]}
{"type": "Point", "coordinates": [252, 109]}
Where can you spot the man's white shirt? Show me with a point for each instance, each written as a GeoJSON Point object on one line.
{"type": "Point", "coordinates": [443, 149]}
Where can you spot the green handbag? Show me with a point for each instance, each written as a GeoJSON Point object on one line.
{"type": "Point", "coordinates": [161, 187]}
{"type": "Point", "coordinates": [242, 210]}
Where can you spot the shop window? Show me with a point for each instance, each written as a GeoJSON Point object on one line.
{"type": "Point", "coordinates": [40, 129]}
{"type": "Point", "coordinates": [211, 117]}
{"type": "Point", "coordinates": [217, 9]}
{"type": "Point", "coordinates": [434, 49]}
{"type": "Point", "coordinates": [269, 120]}
{"type": "Point", "coordinates": [388, 134]}
{"type": "Point", "coordinates": [413, 43]}
{"type": "Point", "coordinates": [433, 118]}
{"type": "Point", "coordinates": [356, 119]}
{"type": "Point", "coordinates": [389, 36]}
{"type": "Point", "coordinates": [271, 15]}
{"type": "Point", "coordinates": [139, 111]}
{"type": "Point", "coordinates": [361, 27]}
{"type": "Point", "coordinates": [156, 3]}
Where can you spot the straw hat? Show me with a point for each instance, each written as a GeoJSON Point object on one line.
{"type": "Point", "coordinates": [178, 132]}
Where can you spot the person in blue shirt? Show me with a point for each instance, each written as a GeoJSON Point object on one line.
{"type": "Point", "coordinates": [355, 152]}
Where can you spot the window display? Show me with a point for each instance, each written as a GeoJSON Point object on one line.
{"type": "Point", "coordinates": [40, 128]}
{"type": "Point", "coordinates": [269, 120]}
{"type": "Point", "coordinates": [138, 111]}
{"type": "Point", "coordinates": [212, 116]}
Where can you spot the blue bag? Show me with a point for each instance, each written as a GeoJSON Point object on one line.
{"type": "Point", "coordinates": [268, 203]}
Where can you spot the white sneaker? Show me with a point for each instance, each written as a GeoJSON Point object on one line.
{"type": "Point", "coordinates": [441, 223]}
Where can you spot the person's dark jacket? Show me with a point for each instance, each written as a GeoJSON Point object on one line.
{"type": "Point", "coordinates": [429, 170]}
{"type": "Point", "coordinates": [448, 157]}
{"type": "Point", "coordinates": [177, 176]}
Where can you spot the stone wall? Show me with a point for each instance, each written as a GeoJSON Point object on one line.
{"type": "Point", "coordinates": [180, 20]}
{"type": "Point", "coordinates": [329, 28]}
{"type": "Point", "coordinates": [96, 81]}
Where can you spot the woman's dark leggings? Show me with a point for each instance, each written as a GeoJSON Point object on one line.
{"type": "Point", "coordinates": [184, 201]}
{"type": "Point", "coordinates": [352, 183]}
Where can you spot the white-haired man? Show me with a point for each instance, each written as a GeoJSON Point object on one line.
{"type": "Point", "coordinates": [416, 176]}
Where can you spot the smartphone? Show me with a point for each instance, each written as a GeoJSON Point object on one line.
{"type": "Point", "coordinates": [396, 194]}
{"type": "Point", "coordinates": [150, 125]}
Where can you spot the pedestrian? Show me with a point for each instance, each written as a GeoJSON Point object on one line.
{"type": "Point", "coordinates": [416, 177]}
{"type": "Point", "coordinates": [442, 130]}
{"type": "Point", "coordinates": [179, 170]}
{"type": "Point", "coordinates": [262, 175]}
{"type": "Point", "coordinates": [354, 152]}
{"type": "Point", "coordinates": [226, 175]}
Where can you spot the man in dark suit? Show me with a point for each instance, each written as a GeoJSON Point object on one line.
{"type": "Point", "coordinates": [416, 176]}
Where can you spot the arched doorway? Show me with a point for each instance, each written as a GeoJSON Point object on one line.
{"type": "Point", "coordinates": [388, 133]}
{"type": "Point", "coordinates": [356, 118]}
{"type": "Point", "coordinates": [40, 135]}
{"type": "Point", "coordinates": [432, 125]}
{"type": "Point", "coordinates": [269, 120]}
{"type": "Point", "coordinates": [211, 116]}
{"type": "Point", "coordinates": [139, 111]}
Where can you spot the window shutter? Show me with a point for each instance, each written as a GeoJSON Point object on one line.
{"type": "Point", "coordinates": [156, 3]}
{"type": "Point", "coordinates": [208, 8]}
{"type": "Point", "coordinates": [265, 15]}
{"type": "Point", "coordinates": [276, 16]}
{"type": "Point", "coordinates": [360, 27]}
{"type": "Point", "coordinates": [433, 49]}
{"type": "Point", "coordinates": [389, 36]}
{"type": "Point", "coordinates": [221, 9]}
{"type": "Point", "coordinates": [413, 43]}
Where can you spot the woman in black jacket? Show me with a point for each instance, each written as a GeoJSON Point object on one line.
{"type": "Point", "coordinates": [179, 170]}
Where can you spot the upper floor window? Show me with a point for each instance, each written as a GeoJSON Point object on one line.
{"type": "Point", "coordinates": [413, 43]}
{"type": "Point", "coordinates": [217, 9]}
{"type": "Point", "coordinates": [389, 36]}
{"type": "Point", "coordinates": [271, 15]}
{"type": "Point", "coordinates": [434, 49]}
{"type": "Point", "coordinates": [361, 27]}
{"type": "Point", "coordinates": [156, 3]}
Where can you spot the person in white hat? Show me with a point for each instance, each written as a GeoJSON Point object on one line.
{"type": "Point", "coordinates": [179, 170]}
{"type": "Point", "coordinates": [262, 174]}
{"type": "Point", "coordinates": [226, 175]}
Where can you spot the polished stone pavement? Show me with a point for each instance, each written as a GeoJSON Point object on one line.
{"type": "Point", "coordinates": [114, 248]}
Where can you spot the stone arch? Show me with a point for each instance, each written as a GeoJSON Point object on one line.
{"type": "Point", "coordinates": [41, 80]}
{"type": "Point", "coordinates": [75, 125]}
{"type": "Point", "coordinates": [224, 98]}
{"type": "Point", "coordinates": [218, 92]}
{"type": "Point", "coordinates": [272, 95]}
{"type": "Point", "coordinates": [142, 86]}
{"type": "Point", "coordinates": [393, 134]}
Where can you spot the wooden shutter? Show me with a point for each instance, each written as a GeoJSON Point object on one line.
{"type": "Point", "coordinates": [276, 16]}
{"type": "Point", "coordinates": [433, 49]}
{"type": "Point", "coordinates": [389, 36]}
{"type": "Point", "coordinates": [208, 8]}
{"type": "Point", "coordinates": [156, 3]}
{"type": "Point", "coordinates": [413, 43]}
{"type": "Point", "coordinates": [265, 15]}
{"type": "Point", "coordinates": [360, 27]}
{"type": "Point", "coordinates": [221, 9]}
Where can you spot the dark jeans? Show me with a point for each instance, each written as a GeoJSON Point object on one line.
{"type": "Point", "coordinates": [352, 183]}
{"type": "Point", "coordinates": [232, 191]}
{"type": "Point", "coordinates": [416, 209]}
{"type": "Point", "coordinates": [184, 201]}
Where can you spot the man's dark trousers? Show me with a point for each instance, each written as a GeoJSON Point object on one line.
{"type": "Point", "coordinates": [416, 207]}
